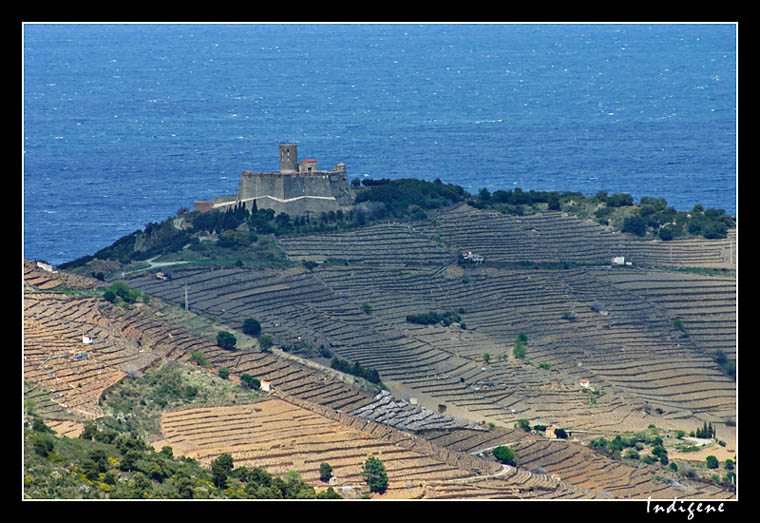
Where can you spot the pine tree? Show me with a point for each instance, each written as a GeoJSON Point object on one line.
{"type": "Point", "coordinates": [374, 473]}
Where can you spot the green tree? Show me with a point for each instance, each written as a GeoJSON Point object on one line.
{"type": "Point", "coordinates": [226, 340]}
{"type": "Point", "coordinates": [375, 475]}
{"type": "Point", "coordinates": [184, 486]}
{"type": "Point", "coordinates": [198, 358]}
{"type": "Point", "coordinates": [38, 425]}
{"type": "Point", "coordinates": [519, 350]}
{"type": "Point", "coordinates": [265, 343]}
{"type": "Point", "coordinates": [220, 469]}
{"type": "Point", "coordinates": [251, 327]}
{"type": "Point", "coordinates": [325, 472]}
{"type": "Point", "coordinates": [248, 381]}
{"type": "Point", "coordinates": [504, 455]}
{"type": "Point", "coordinates": [43, 446]}
{"type": "Point", "coordinates": [635, 225]}
{"type": "Point", "coordinates": [129, 460]}
{"type": "Point", "coordinates": [99, 458]}
{"type": "Point", "coordinates": [224, 373]}
{"type": "Point", "coordinates": [90, 431]}
{"type": "Point", "coordinates": [329, 494]}
{"type": "Point", "coordinates": [712, 462]}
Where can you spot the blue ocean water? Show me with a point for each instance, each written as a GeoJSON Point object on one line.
{"type": "Point", "coordinates": [124, 124]}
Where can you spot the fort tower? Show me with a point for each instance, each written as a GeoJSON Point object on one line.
{"type": "Point", "coordinates": [288, 158]}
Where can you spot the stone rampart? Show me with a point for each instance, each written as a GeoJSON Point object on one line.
{"type": "Point", "coordinates": [294, 193]}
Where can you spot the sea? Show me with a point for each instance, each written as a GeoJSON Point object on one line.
{"type": "Point", "coordinates": [125, 124]}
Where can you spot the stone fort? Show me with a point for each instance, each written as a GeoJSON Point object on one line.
{"type": "Point", "coordinates": [298, 188]}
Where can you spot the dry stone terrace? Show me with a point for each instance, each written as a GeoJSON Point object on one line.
{"type": "Point", "coordinates": [391, 244]}
{"type": "Point", "coordinates": [706, 306]}
{"type": "Point", "coordinates": [285, 434]}
{"type": "Point", "coordinates": [330, 395]}
{"type": "Point", "coordinates": [557, 237]}
{"type": "Point", "coordinates": [575, 464]}
{"type": "Point", "coordinates": [323, 307]}
{"type": "Point", "coordinates": [66, 374]}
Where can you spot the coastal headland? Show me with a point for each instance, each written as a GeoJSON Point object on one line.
{"type": "Point", "coordinates": [412, 322]}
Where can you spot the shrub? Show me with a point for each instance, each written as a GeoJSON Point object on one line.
{"type": "Point", "coordinates": [569, 315]}
{"type": "Point", "coordinates": [712, 462]}
{"type": "Point", "coordinates": [635, 225]}
{"type": "Point", "coordinates": [666, 233]}
{"type": "Point", "coordinates": [619, 200]}
{"type": "Point", "coordinates": [43, 446]}
{"type": "Point", "coordinates": [224, 373]}
{"type": "Point", "coordinates": [198, 358]}
{"type": "Point", "coordinates": [248, 381]}
{"type": "Point", "coordinates": [265, 343]}
{"type": "Point", "coordinates": [226, 340]}
{"type": "Point", "coordinates": [432, 317]}
{"type": "Point", "coordinates": [251, 327]}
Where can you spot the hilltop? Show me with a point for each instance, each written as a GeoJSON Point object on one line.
{"type": "Point", "coordinates": [463, 323]}
{"type": "Point", "coordinates": [238, 234]}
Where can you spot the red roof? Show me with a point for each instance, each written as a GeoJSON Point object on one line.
{"type": "Point", "coordinates": [307, 160]}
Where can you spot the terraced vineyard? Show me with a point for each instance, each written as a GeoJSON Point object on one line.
{"type": "Point", "coordinates": [626, 353]}
{"type": "Point", "coordinates": [62, 373]}
{"type": "Point", "coordinates": [283, 436]}
{"type": "Point", "coordinates": [391, 244]}
{"type": "Point", "coordinates": [706, 306]}
{"type": "Point", "coordinates": [76, 347]}
{"type": "Point", "coordinates": [558, 237]}
{"type": "Point", "coordinates": [575, 464]}
{"type": "Point", "coordinates": [586, 320]}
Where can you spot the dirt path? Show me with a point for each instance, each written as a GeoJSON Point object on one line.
{"type": "Point", "coordinates": [153, 265]}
